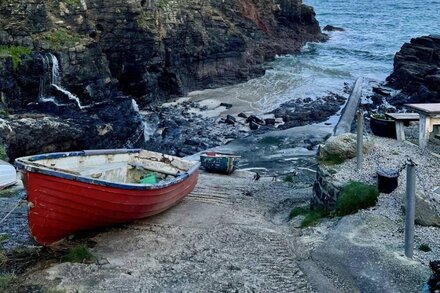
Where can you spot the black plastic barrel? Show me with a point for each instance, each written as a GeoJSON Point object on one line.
{"type": "Point", "coordinates": [387, 180]}
{"type": "Point", "coordinates": [382, 127]}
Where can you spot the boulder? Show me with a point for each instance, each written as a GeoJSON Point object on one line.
{"type": "Point", "coordinates": [226, 105]}
{"type": "Point", "coordinates": [253, 125]}
{"type": "Point", "coordinates": [343, 145]}
{"type": "Point", "coordinates": [417, 72]}
{"type": "Point", "coordinates": [230, 120]}
{"type": "Point", "coordinates": [115, 124]}
{"type": "Point", "coordinates": [381, 90]}
{"type": "Point", "coordinates": [331, 28]}
{"type": "Point", "coordinates": [300, 112]}
{"type": "Point", "coordinates": [269, 121]}
{"type": "Point", "coordinates": [426, 214]}
{"type": "Point", "coordinates": [255, 119]}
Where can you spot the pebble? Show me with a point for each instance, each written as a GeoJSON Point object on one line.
{"type": "Point", "coordinates": [392, 154]}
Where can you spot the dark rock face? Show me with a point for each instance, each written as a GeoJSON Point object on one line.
{"type": "Point", "coordinates": [148, 50]}
{"type": "Point", "coordinates": [113, 124]}
{"type": "Point", "coordinates": [180, 131]}
{"type": "Point", "coordinates": [253, 125]}
{"type": "Point", "coordinates": [417, 71]}
{"type": "Point", "coordinates": [331, 28]}
{"type": "Point", "coordinates": [230, 120]}
{"type": "Point", "coordinates": [152, 49]}
{"type": "Point", "coordinates": [301, 112]}
{"type": "Point", "coordinates": [269, 121]}
{"type": "Point", "coordinates": [255, 119]}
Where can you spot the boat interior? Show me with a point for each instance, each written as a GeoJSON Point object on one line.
{"type": "Point", "coordinates": [129, 168]}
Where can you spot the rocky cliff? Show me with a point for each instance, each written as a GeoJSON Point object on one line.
{"type": "Point", "coordinates": [77, 53]}
{"type": "Point", "coordinates": [148, 49]}
{"type": "Point", "coordinates": [417, 71]}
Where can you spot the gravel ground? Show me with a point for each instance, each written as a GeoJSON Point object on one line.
{"type": "Point", "coordinates": [412, 135]}
{"type": "Point", "coordinates": [15, 226]}
{"type": "Point", "coordinates": [391, 154]}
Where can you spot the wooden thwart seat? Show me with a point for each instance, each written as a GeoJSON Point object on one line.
{"type": "Point", "coordinates": [402, 119]}
{"type": "Point", "coordinates": [97, 171]}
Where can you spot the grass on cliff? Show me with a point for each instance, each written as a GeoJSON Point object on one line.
{"type": "Point", "coordinates": [15, 52]}
{"type": "Point", "coordinates": [4, 112]}
{"type": "Point", "coordinates": [354, 197]}
{"type": "Point", "coordinates": [71, 2]}
{"type": "Point", "coordinates": [79, 254]}
{"type": "Point", "coordinates": [60, 39]}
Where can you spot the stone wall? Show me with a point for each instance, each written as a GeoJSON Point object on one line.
{"type": "Point", "coordinates": [326, 189]}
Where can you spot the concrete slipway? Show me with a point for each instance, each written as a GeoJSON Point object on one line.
{"type": "Point", "coordinates": [232, 235]}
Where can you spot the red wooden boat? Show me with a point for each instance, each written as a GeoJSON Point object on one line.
{"type": "Point", "coordinates": [75, 191]}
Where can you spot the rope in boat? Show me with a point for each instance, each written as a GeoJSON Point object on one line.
{"type": "Point", "coordinates": [11, 211]}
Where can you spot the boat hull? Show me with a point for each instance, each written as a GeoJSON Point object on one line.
{"type": "Point", "coordinates": [8, 175]}
{"type": "Point", "coordinates": [61, 207]}
{"type": "Point", "coordinates": [75, 191]}
{"type": "Point", "coordinates": [219, 164]}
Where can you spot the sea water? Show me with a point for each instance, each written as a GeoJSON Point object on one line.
{"type": "Point", "coordinates": [374, 32]}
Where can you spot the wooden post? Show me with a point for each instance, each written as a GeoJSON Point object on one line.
{"type": "Point", "coordinates": [400, 132]}
{"type": "Point", "coordinates": [410, 208]}
{"type": "Point", "coordinates": [424, 130]}
{"type": "Point", "coordinates": [360, 136]}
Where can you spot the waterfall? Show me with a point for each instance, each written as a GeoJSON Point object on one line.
{"type": "Point", "coordinates": [144, 132]}
{"type": "Point", "coordinates": [71, 96]}
{"type": "Point", "coordinates": [42, 94]}
{"type": "Point", "coordinates": [149, 130]}
{"type": "Point", "coordinates": [52, 79]}
{"type": "Point", "coordinates": [55, 69]}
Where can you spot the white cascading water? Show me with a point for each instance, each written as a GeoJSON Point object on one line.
{"type": "Point", "coordinates": [147, 130]}
{"type": "Point", "coordinates": [52, 67]}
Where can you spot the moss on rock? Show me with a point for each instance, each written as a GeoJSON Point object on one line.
{"type": "Point", "coordinates": [2, 152]}
{"type": "Point", "coordinates": [356, 196]}
{"type": "Point", "coordinates": [60, 39]}
{"type": "Point", "coordinates": [15, 52]}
